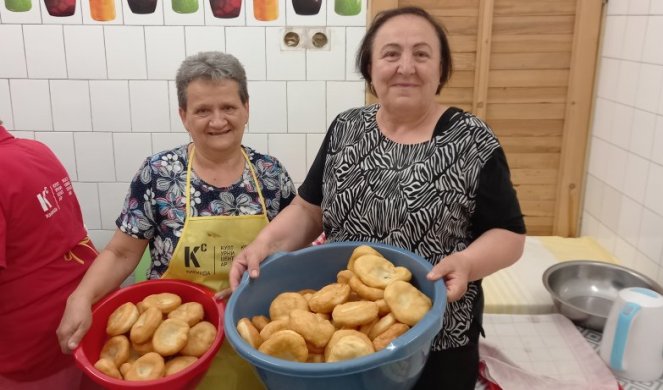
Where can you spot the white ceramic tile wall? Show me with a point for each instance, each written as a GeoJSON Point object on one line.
{"type": "Point", "coordinates": [70, 102]}
{"type": "Point", "coordinates": [109, 101]}
{"type": "Point", "coordinates": [44, 51]}
{"type": "Point", "coordinates": [5, 105]}
{"type": "Point", "coordinates": [12, 49]}
{"type": "Point", "coordinates": [164, 46]}
{"type": "Point", "coordinates": [102, 95]}
{"type": "Point", "coordinates": [84, 47]}
{"type": "Point", "coordinates": [622, 206]}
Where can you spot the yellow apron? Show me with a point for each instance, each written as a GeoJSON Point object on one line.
{"type": "Point", "coordinates": [203, 255]}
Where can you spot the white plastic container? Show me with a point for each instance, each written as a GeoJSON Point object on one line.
{"type": "Point", "coordinates": [632, 343]}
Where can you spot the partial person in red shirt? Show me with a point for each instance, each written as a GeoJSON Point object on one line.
{"type": "Point", "coordinates": [44, 253]}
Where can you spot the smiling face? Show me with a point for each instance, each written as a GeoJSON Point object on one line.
{"type": "Point", "coordinates": [215, 115]}
{"type": "Point", "coordinates": [405, 62]}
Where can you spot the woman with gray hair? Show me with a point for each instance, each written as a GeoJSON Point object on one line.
{"type": "Point", "coordinates": [184, 197]}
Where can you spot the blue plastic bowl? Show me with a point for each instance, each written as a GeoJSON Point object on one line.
{"type": "Point", "coordinates": [396, 367]}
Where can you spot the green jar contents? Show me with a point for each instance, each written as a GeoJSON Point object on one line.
{"type": "Point", "coordinates": [18, 5]}
{"type": "Point", "coordinates": [185, 6]}
{"type": "Point", "coordinates": [347, 7]}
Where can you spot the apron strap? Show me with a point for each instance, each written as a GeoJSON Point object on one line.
{"type": "Point", "coordinates": [188, 181]}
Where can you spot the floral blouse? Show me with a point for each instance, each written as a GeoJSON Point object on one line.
{"type": "Point", "coordinates": [155, 206]}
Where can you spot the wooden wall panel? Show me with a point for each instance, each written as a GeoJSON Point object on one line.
{"type": "Point", "coordinates": [527, 68]}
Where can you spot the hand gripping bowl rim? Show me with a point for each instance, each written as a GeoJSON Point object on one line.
{"type": "Point", "coordinates": [397, 350]}
{"type": "Point", "coordinates": [81, 359]}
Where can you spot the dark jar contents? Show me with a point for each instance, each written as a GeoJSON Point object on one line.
{"type": "Point", "coordinates": [60, 8]}
{"type": "Point", "coordinates": [226, 9]}
{"type": "Point", "coordinates": [142, 6]}
{"type": "Point", "coordinates": [306, 7]}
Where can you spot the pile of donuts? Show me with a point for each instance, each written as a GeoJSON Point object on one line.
{"type": "Point", "coordinates": [371, 304]}
{"type": "Point", "coordinates": [156, 337]}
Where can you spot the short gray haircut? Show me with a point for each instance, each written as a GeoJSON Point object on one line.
{"type": "Point", "coordinates": [213, 66]}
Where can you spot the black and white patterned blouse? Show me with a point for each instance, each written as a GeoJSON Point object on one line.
{"type": "Point", "coordinates": [433, 198]}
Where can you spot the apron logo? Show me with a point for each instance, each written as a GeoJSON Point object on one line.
{"type": "Point", "coordinates": [190, 255]}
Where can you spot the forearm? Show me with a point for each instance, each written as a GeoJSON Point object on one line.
{"type": "Point", "coordinates": [493, 250]}
{"type": "Point", "coordinates": [293, 228]}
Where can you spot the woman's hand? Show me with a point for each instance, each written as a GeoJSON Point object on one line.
{"type": "Point", "coordinates": [456, 273]}
{"type": "Point", "coordinates": [75, 323]}
{"type": "Point", "coordinates": [248, 259]}
{"type": "Point", "coordinates": [493, 250]}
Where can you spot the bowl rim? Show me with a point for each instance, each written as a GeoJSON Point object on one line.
{"type": "Point", "coordinates": [87, 365]}
{"type": "Point", "coordinates": [569, 263]}
{"type": "Point", "coordinates": [392, 352]}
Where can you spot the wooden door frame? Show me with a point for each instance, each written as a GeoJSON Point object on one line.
{"type": "Point", "coordinates": [577, 118]}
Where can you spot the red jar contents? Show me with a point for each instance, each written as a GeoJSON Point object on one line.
{"type": "Point", "coordinates": [226, 9]}
{"type": "Point", "coordinates": [60, 7]}
{"type": "Point", "coordinates": [142, 6]}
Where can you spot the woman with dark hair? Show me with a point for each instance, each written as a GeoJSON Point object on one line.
{"type": "Point", "coordinates": [412, 173]}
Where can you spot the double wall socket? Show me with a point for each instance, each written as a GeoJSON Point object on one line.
{"type": "Point", "coordinates": [301, 38]}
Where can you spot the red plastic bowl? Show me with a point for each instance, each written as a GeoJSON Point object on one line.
{"type": "Point", "coordinates": [87, 353]}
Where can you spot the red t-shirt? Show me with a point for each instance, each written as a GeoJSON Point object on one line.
{"type": "Point", "coordinates": [40, 223]}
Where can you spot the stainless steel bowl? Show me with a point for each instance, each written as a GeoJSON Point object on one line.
{"type": "Point", "coordinates": [585, 290]}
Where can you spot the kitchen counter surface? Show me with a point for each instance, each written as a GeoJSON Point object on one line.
{"type": "Point", "coordinates": [519, 289]}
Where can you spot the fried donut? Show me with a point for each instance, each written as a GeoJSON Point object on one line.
{"type": "Point", "coordinates": [286, 344]}
{"type": "Point", "coordinates": [259, 322]}
{"type": "Point", "coordinates": [366, 328]}
{"type": "Point", "coordinates": [313, 350]}
{"type": "Point", "coordinates": [116, 349]}
{"type": "Point", "coordinates": [381, 341]}
{"type": "Point", "coordinates": [383, 324]}
{"type": "Point", "coordinates": [344, 276]}
{"type": "Point", "coordinates": [273, 327]}
{"type": "Point", "coordinates": [122, 319]}
{"type": "Point", "coordinates": [148, 367]}
{"type": "Point", "coordinates": [143, 348]}
{"type": "Point", "coordinates": [124, 368]}
{"type": "Point", "coordinates": [315, 358]}
{"type": "Point", "coordinates": [354, 314]}
{"type": "Point", "coordinates": [376, 271]}
{"type": "Point", "coordinates": [147, 323]}
{"type": "Point", "coordinates": [307, 293]}
{"type": "Point", "coordinates": [315, 330]}
{"type": "Point", "coordinates": [249, 332]}
{"type": "Point", "coordinates": [201, 337]}
{"type": "Point", "coordinates": [284, 303]}
{"type": "Point", "coordinates": [383, 308]}
{"type": "Point", "coordinates": [108, 367]}
{"type": "Point", "coordinates": [406, 302]}
{"type": "Point", "coordinates": [364, 291]}
{"type": "Point", "coordinates": [166, 302]}
{"type": "Point", "coordinates": [170, 337]}
{"type": "Point", "coordinates": [359, 251]}
{"type": "Point", "coordinates": [349, 346]}
{"type": "Point", "coordinates": [335, 337]}
{"type": "Point", "coordinates": [178, 364]}
{"type": "Point", "coordinates": [190, 312]}
{"type": "Point", "coordinates": [325, 299]}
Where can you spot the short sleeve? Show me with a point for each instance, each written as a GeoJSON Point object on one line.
{"type": "Point", "coordinates": [3, 240]}
{"type": "Point", "coordinates": [311, 188]}
{"type": "Point", "coordinates": [287, 188]}
{"type": "Point", "coordinates": [496, 203]}
{"type": "Point", "coordinates": [137, 217]}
